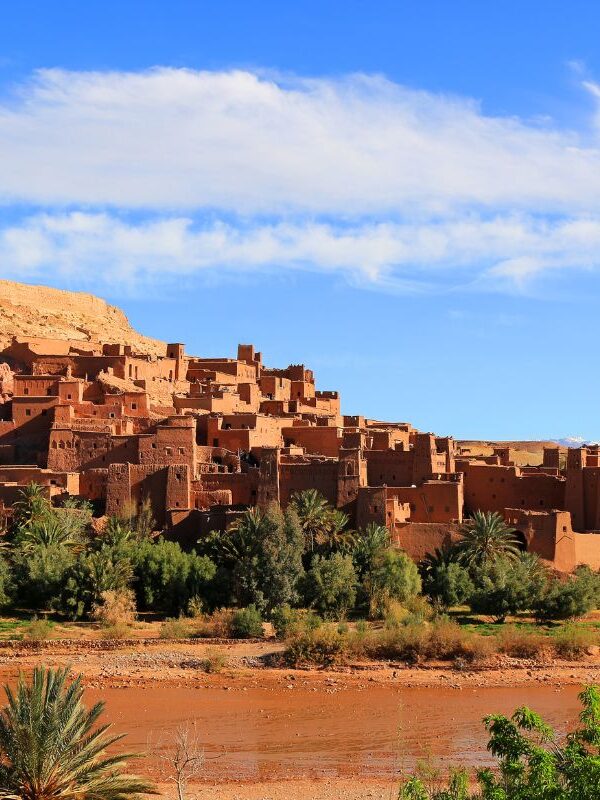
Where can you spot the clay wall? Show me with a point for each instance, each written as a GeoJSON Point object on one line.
{"type": "Point", "coordinates": [432, 501]}
{"type": "Point", "coordinates": [494, 488]}
{"type": "Point", "coordinates": [36, 413]}
{"type": "Point", "coordinates": [34, 386]}
{"type": "Point", "coordinates": [241, 486]}
{"type": "Point", "coordinates": [420, 538]}
{"type": "Point", "coordinates": [319, 474]}
{"type": "Point", "coordinates": [320, 440]}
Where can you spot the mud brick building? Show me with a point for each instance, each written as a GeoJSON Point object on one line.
{"type": "Point", "coordinates": [204, 438]}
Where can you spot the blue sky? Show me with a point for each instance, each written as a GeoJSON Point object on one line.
{"type": "Point", "coordinates": [403, 195]}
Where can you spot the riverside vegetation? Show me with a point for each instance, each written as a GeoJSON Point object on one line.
{"type": "Point", "coordinates": [331, 593]}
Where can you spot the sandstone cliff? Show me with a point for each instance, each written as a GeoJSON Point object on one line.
{"type": "Point", "coordinates": [39, 311]}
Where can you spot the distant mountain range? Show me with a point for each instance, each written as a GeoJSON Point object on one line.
{"type": "Point", "coordinates": [573, 441]}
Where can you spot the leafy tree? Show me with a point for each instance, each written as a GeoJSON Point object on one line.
{"type": "Point", "coordinates": [6, 582]}
{"type": "Point", "coordinates": [52, 748]}
{"type": "Point", "coordinates": [445, 580]}
{"type": "Point", "coordinates": [262, 551]}
{"type": "Point", "coordinates": [394, 576]}
{"type": "Point", "coordinates": [486, 537]}
{"type": "Point", "coordinates": [532, 765]}
{"type": "Point", "coordinates": [330, 584]}
{"type": "Point", "coordinates": [166, 577]}
{"type": "Point", "coordinates": [104, 569]}
{"type": "Point", "coordinates": [571, 598]}
{"type": "Point", "coordinates": [506, 586]}
{"type": "Point", "coordinates": [39, 573]}
{"type": "Point", "coordinates": [281, 557]}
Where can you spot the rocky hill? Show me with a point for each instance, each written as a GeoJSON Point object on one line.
{"type": "Point", "coordinates": [27, 310]}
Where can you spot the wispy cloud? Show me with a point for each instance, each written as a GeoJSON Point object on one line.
{"type": "Point", "coordinates": [393, 256]}
{"type": "Point", "coordinates": [172, 172]}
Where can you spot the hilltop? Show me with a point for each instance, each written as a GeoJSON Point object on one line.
{"type": "Point", "coordinates": [39, 311]}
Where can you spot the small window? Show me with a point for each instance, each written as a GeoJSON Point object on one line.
{"type": "Point", "coordinates": [215, 442]}
{"type": "Point", "coordinates": [69, 396]}
{"type": "Point", "coordinates": [27, 412]}
{"type": "Point", "coordinates": [25, 390]}
{"type": "Point", "coordinates": [154, 445]}
{"type": "Point", "coordinates": [134, 406]}
{"type": "Point", "coordinates": [169, 451]}
{"type": "Point", "coordinates": [112, 415]}
{"type": "Point", "coordinates": [182, 451]}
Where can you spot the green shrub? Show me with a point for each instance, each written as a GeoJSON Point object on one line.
{"type": "Point", "coordinates": [247, 623]}
{"type": "Point", "coordinates": [175, 628]}
{"type": "Point", "coordinates": [288, 621]}
{"type": "Point", "coordinates": [532, 761]}
{"type": "Point", "coordinates": [117, 631]}
{"type": "Point", "coordinates": [447, 583]}
{"type": "Point", "coordinates": [103, 569]}
{"type": "Point", "coordinates": [40, 573]}
{"type": "Point", "coordinates": [215, 662]}
{"type": "Point", "coordinates": [167, 577]}
{"type": "Point", "coordinates": [394, 576]}
{"type": "Point", "coordinates": [568, 599]}
{"type": "Point", "coordinates": [38, 630]}
{"type": "Point", "coordinates": [330, 585]}
{"type": "Point", "coordinates": [506, 586]}
{"type": "Point", "coordinates": [321, 647]}
{"type": "Point", "coordinates": [573, 641]}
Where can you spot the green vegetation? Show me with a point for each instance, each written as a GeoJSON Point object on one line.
{"type": "Point", "coordinates": [52, 747]}
{"type": "Point", "coordinates": [294, 568]}
{"type": "Point", "coordinates": [531, 763]}
{"type": "Point", "coordinates": [247, 623]}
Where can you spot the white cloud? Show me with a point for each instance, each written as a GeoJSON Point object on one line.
{"type": "Point", "coordinates": [392, 256]}
{"type": "Point", "coordinates": [170, 172]}
{"type": "Point", "coordinates": [236, 141]}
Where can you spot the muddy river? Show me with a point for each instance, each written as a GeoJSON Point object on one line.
{"type": "Point", "coordinates": [262, 734]}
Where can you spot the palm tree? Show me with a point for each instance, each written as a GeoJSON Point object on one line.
{"type": "Point", "coordinates": [51, 748]}
{"type": "Point", "coordinates": [441, 557]}
{"type": "Point", "coordinates": [47, 533]}
{"type": "Point", "coordinates": [32, 506]}
{"type": "Point", "coordinates": [243, 537]}
{"type": "Point", "coordinates": [485, 537]}
{"type": "Point", "coordinates": [313, 512]}
{"type": "Point", "coordinates": [368, 544]}
{"type": "Point", "coordinates": [336, 536]}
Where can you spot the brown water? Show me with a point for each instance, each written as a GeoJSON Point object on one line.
{"type": "Point", "coordinates": [260, 734]}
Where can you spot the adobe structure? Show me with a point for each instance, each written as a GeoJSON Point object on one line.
{"type": "Point", "coordinates": [204, 438]}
